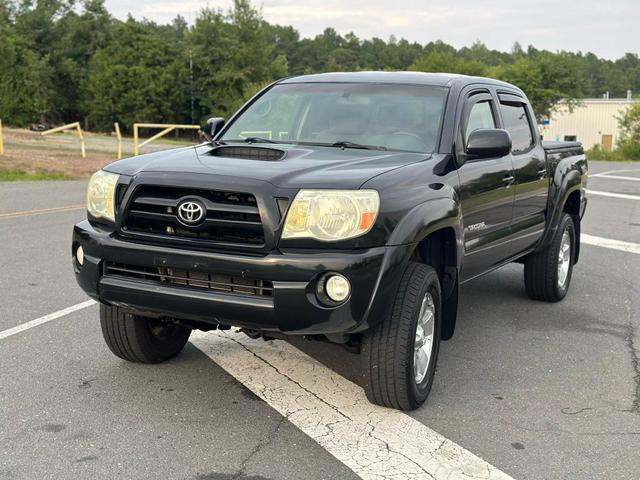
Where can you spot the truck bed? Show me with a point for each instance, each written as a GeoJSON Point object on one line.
{"type": "Point", "coordinates": [558, 147]}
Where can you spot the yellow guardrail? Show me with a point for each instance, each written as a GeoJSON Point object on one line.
{"type": "Point", "coordinates": [1, 140]}
{"type": "Point", "coordinates": [71, 126]}
{"type": "Point", "coordinates": [167, 127]}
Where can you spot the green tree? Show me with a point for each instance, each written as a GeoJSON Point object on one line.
{"type": "Point", "coordinates": [139, 77]}
{"type": "Point", "coordinates": [52, 42]}
{"type": "Point", "coordinates": [232, 58]}
{"type": "Point", "coordinates": [444, 61]}
{"type": "Point", "coordinates": [65, 60]}
{"type": "Point", "coordinates": [546, 79]}
{"type": "Point", "coordinates": [26, 93]}
{"type": "Point", "coordinates": [629, 123]}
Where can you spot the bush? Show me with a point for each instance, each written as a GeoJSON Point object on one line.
{"type": "Point", "coordinates": [626, 152]}
{"type": "Point", "coordinates": [630, 150]}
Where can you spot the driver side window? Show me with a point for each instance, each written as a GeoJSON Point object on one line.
{"type": "Point", "coordinates": [480, 116]}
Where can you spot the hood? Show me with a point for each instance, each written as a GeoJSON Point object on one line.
{"type": "Point", "coordinates": [282, 166]}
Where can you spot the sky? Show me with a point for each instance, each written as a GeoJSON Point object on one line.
{"type": "Point", "coordinates": [608, 28]}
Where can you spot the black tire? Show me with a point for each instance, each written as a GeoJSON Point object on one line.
{"type": "Point", "coordinates": [388, 348]}
{"type": "Point", "coordinates": [541, 272]}
{"type": "Point", "coordinates": [141, 339]}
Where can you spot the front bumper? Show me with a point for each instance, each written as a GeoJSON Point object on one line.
{"type": "Point", "coordinates": [292, 308]}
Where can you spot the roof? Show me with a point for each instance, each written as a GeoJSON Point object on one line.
{"type": "Point", "coordinates": [411, 78]}
{"type": "Point", "coordinates": [625, 101]}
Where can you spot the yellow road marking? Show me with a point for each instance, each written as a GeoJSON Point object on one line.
{"type": "Point", "coordinates": [42, 211]}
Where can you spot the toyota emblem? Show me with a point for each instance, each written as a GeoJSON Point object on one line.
{"type": "Point", "coordinates": [191, 212]}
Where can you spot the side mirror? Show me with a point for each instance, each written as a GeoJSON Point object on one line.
{"type": "Point", "coordinates": [488, 143]}
{"type": "Point", "coordinates": [212, 127]}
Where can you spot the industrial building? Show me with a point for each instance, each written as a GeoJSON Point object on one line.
{"type": "Point", "coordinates": [594, 121]}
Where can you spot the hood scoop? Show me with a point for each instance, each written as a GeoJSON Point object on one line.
{"type": "Point", "coordinates": [248, 153]}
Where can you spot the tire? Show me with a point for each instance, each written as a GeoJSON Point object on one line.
{"type": "Point", "coordinates": [141, 339]}
{"type": "Point", "coordinates": [544, 279]}
{"type": "Point", "coordinates": [389, 376]}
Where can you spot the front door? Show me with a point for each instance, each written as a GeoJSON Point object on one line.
{"type": "Point", "coordinates": [486, 193]}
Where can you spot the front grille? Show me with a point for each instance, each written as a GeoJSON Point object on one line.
{"type": "Point", "coordinates": [231, 217]}
{"type": "Point", "coordinates": [192, 279]}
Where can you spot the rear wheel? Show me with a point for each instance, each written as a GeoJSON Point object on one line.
{"type": "Point", "coordinates": [399, 355]}
{"type": "Point", "coordinates": [547, 274]}
{"type": "Point", "coordinates": [141, 339]}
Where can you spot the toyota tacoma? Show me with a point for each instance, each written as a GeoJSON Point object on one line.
{"type": "Point", "coordinates": [341, 207]}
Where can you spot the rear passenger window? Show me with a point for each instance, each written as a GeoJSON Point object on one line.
{"type": "Point", "coordinates": [480, 116]}
{"type": "Point", "coordinates": [516, 122]}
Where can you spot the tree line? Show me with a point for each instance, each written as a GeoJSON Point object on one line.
{"type": "Point", "coordinates": [69, 60]}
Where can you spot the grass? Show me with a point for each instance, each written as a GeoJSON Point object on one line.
{"type": "Point", "coordinates": [15, 175]}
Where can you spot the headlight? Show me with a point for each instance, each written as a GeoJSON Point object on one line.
{"type": "Point", "coordinates": [101, 195]}
{"type": "Point", "coordinates": [331, 215]}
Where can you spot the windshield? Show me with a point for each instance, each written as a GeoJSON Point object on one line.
{"type": "Point", "coordinates": [348, 115]}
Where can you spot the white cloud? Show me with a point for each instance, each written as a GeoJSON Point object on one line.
{"type": "Point", "coordinates": [608, 29]}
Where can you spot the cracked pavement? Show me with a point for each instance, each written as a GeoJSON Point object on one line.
{"type": "Point", "coordinates": [532, 390]}
{"type": "Point", "coordinates": [376, 443]}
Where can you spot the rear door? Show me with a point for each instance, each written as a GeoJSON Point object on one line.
{"type": "Point", "coordinates": [486, 196]}
{"type": "Point", "coordinates": [531, 185]}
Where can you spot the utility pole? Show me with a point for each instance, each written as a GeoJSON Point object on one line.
{"type": "Point", "coordinates": [191, 76]}
{"type": "Point", "coordinates": [191, 81]}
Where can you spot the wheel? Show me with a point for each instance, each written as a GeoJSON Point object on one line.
{"type": "Point", "coordinates": [399, 354]}
{"type": "Point", "coordinates": [547, 274]}
{"type": "Point", "coordinates": [141, 339]}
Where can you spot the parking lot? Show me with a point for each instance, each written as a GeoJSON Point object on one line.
{"type": "Point", "coordinates": [525, 389]}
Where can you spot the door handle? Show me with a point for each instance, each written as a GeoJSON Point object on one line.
{"type": "Point", "coordinates": [508, 180]}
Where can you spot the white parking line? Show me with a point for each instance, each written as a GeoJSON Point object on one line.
{"type": "Point", "coordinates": [614, 195]}
{"type": "Point", "coordinates": [610, 243]}
{"type": "Point", "coordinates": [617, 171]}
{"type": "Point", "coordinates": [615, 177]}
{"type": "Point", "coordinates": [47, 318]}
{"type": "Point", "coordinates": [375, 442]}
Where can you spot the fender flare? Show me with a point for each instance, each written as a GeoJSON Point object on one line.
{"type": "Point", "coordinates": [570, 182]}
{"type": "Point", "coordinates": [420, 222]}
{"type": "Point", "coordinates": [429, 217]}
{"type": "Point", "coordinates": [426, 218]}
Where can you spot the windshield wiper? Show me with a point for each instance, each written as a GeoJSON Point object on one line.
{"type": "Point", "coordinates": [258, 140]}
{"type": "Point", "coordinates": [347, 144]}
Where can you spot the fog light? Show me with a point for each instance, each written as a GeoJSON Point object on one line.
{"type": "Point", "coordinates": [337, 288]}
{"type": "Point", "coordinates": [80, 256]}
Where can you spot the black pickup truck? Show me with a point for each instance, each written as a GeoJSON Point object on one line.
{"type": "Point", "coordinates": [342, 207]}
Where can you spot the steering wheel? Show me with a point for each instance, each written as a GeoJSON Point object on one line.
{"type": "Point", "coordinates": [414, 137]}
{"type": "Point", "coordinates": [409, 134]}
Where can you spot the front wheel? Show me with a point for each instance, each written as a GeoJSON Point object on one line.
{"type": "Point", "coordinates": [141, 339]}
{"type": "Point", "coordinates": [547, 274]}
{"type": "Point", "coordinates": [399, 355]}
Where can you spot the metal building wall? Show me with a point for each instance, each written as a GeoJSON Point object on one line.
{"type": "Point", "coordinates": [588, 122]}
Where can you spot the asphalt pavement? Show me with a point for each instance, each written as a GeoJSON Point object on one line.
{"type": "Point", "coordinates": [539, 391]}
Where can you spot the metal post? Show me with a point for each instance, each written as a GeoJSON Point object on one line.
{"type": "Point", "coordinates": [84, 153]}
{"type": "Point", "coordinates": [1, 140]}
{"type": "Point", "coordinates": [71, 126]}
{"type": "Point", "coordinates": [157, 136]}
{"type": "Point", "coordinates": [166, 128]}
{"type": "Point", "coordinates": [117, 127]}
{"type": "Point", "coordinates": [135, 139]}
